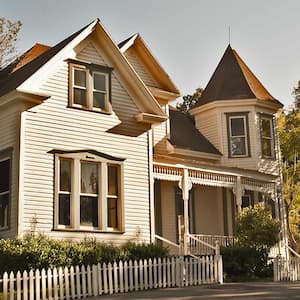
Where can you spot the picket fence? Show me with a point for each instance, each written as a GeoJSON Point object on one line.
{"type": "Point", "coordinates": [81, 282]}
{"type": "Point", "coordinates": [286, 269]}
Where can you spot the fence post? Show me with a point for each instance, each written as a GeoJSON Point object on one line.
{"type": "Point", "coordinates": [218, 264]}
{"type": "Point", "coordinates": [275, 268]}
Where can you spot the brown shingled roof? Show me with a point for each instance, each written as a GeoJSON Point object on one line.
{"type": "Point", "coordinates": [184, 134]}
{"type": "Point", "coordinates": [232, 80]}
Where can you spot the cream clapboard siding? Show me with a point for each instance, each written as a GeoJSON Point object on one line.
{"type": "Point", "coordinates": [161, 131]}
{"type": "Point", "coordinates": [52, 125]}
{"type": "Point", "coordinates": [140, 68]}
{"type": "Point", "coordinates": [10, 118]}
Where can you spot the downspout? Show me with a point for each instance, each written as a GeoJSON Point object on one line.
{"type": "Point", "coordinates": [21, 174]}
{"type": "Point", "coordinates": [151, 186]}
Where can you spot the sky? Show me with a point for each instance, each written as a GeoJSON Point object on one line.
{"type": "Point", "coordinates": [187, 37]}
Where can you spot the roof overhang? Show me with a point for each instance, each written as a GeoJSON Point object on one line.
{"type": "Point", "coordinates": [267, 104]}
{"type": "Point", "coordinates": [150, 118]}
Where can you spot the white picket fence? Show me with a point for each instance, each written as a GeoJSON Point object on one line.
{"type": "Point", "coordinates": [81, 282]}
{"type": "Point", "coordinates": [286, 269]}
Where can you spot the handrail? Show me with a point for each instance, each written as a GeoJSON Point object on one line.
{"type": "Point", "coordinates": [292, 250]}
{"type": "Point", "coordinates": [166, 241]}
{"type": "Point", "coordinates": [202, 242]}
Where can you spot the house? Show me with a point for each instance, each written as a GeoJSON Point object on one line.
{"type": "Point", "coordinates": [90, 145]}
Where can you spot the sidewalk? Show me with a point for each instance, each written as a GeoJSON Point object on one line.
{"type": "Point", "coordinates": [269, 290]}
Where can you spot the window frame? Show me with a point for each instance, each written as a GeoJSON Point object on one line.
{"type": "Point", "coordinates": [269, 118]}
{"type": "Point", "coordinates": [244, 116]}
{"type": "Point", "coordinates": [77, 159]}
{"type": "Point", "coordinates": [90, 69]}
{"type": "Point", "coordinates": [5, 155]}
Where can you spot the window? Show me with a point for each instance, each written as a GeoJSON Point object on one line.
{"type": "Point", "coordinates": [238, 141]}
{"type": "Point", "coordinates": [267, 136]}
{"type": "Point", "coordinates": [90, 86]}
{"type": "Point", "coordinates": [88, 192]}
{"type": "Point", "coordinates": [5, 166]}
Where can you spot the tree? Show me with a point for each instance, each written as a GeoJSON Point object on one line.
{"type": "Point", "coordinates": [189, 101]}
{"type": "Point", "coordinates": [9, 31]}
{"type": "Point", "coordinates": [289, 136]}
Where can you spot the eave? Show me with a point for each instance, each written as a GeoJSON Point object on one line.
{"type": "Point", "coordinates": [150, 118]}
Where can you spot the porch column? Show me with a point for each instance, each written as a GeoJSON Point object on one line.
{"type": "Point", "coordinates": [185, 184]}
{"type": "Point", "coordinates": [238, 194]}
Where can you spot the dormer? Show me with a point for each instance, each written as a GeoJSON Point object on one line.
{"type": "Point", "coordinates": [236, 113]}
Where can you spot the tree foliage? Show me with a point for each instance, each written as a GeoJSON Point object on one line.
{"type": "Point", "coordinates": [289, 136]}
{"type": "Point", "coordinates": [189, 101]}
{"type": "Point", "coordinates": [9, 31]}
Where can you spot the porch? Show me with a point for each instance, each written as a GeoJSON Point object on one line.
{"type": "Point", "coordinates": [195, 209]}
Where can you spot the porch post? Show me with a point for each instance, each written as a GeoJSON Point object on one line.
{"type": "Point", "coordinates": [238, 194]}
{"type": "Point", "coordinates": [185, 186]}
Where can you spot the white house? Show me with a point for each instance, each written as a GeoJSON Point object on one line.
{"type": "Point", "coordinates": [89, 145]}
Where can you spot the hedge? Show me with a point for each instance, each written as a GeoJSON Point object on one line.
{"type": "Point", "coordinates": [41, 252]}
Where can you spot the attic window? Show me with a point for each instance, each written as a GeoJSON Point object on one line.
{"type": "Point", "coordinates": [90, 86]}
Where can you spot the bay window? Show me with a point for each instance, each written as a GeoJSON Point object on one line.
{"type": "Point", "coordinates": [89, 192]}
{"type": "Point", "coordinates": [5, 169]}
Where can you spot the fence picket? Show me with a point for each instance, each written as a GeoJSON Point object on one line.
{"type": "Point", "coordinates": [159, 271]}
{"type": "Point", "coordinates": [83, 281]}
{"type": "Point", "coordinates": [25, 285]}
{"type": "Point", "coordinates": [95, 280]}
{"type": "Point", "coordinates": [115, 271]}
{"type": "Point", "coordinates": [211, 265]}
{"type": "Point", "coordinates": [164, 266]}
{"type": "Point", "coordinates": [100, 290]}
{"type": "Point", "coordinates": [49, 280]}
{"type": "Point", "coordinates": [130, 276]}
{"type": "Point", "coordinates": [121, 276]}
{"type": "Point", "coordinates": [5, 283]}
{"type": "Point", "coordinates": [110, 280]}
{"type": "Point", "coordinates": [136, 276]}
{"type": "Point", "coordinates": [43, 275]}
{"type": "Point", "coordinates": [125, 276]}
{"type": "Point", "coordinates": [141, 282]}
{"type": "Point", "coordinates": [61, 282]}
{"type": "Point", "coordinates": [173, 272]}
{"type": "Point", "coordinates": [55, 285]}
{"type": "Point", "coordinates": [31, 285]}
{"type": "Point", "coordinates": [11, 285]}
{"type": "Point", "coordinates": [72, 282]}
{"type": "Point", "coordinates": [168, 272]}
{"type": "Point", "coordinates": [67, 283]}
{"type": "Point", "coordinates": [186, 272]}
{"type": "Point", "coordinates": [191, 278]}
{"type": "Point", "coordinates": [155, 273]}
{"type": "Point", "coordinates": [105, 283]}
{"type": "Point", "coordinates": [78, 285]}
{"type": "Point", "coordinates": [89, 281]}
{"type": "Point", "coordinates": [18, 285]}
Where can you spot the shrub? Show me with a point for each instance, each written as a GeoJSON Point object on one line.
{"type": "Point", "coordinates": [41, 252]}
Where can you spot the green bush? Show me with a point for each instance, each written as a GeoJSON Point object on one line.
{"type": "Point", "coordinates": [41, 252]}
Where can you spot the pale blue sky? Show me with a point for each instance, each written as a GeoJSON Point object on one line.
{"type": "Point", "coordinates": [187, 37]}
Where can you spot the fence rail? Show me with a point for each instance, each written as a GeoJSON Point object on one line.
{"type": "Point", "coordinates": [81, 282]}
{"type": "Point", "coordinates": [286, 269]}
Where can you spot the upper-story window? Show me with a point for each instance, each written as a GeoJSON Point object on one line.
{"type": "Point", "coordinates": [267, 136]}
{"type": "Point", "coordinates": [238, 135]}
{"type": "Point", "coordinates": [5, 186]}
{"type": "Point", "coordinates": [90, 86]}
{"type": "Point", "coordinates": [89, 193]}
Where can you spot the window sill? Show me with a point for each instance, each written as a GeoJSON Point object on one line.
{"type": "Point", "coordinates": [104, 112]}
{"type": "Point", "coordinates": [4, 228]}
{"type": "Point", "coordinates": [88, 230]}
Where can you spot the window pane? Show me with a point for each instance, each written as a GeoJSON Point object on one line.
{"type": "Point", "coordinates": [245, 201]}
{"type": "Point", "coordinates": [4, 210]}
{"type": "Point", "coordinates": [112, 212]}
{"type": "Point", "coordinates": [64, 209]}
{"type": "Point", "coordinates": [237, 126]}
{"type": "Point", "coordinates": [266, 128]}
{"type": "Point", "coordinates": [99, 82]}
{"type": "Point", "coordinates": [88, 211]}
{"type": "Point", "coordinates": [80, 78]}
{"type": "Point", "coordinates": [65, 175]}
{"type": "Point", "coordinates": [4, 175]}
{"type": "Point", "coordinates": [266, 147]}
{"type": "Point", "coordinates": [112, 180]}
{"type": "Point", "coordinates": [238, 146]}
{"type": "Point", "coordinates": [79, 96]}
{"type": "Point", "coordinates": [99, 100]}
{"type": "Point", "coordinates": [89, 178]}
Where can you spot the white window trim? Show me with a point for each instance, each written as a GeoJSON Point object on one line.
{"type": "Point", "coordinates": [75, 193]}
{"type": "Point", "coordinates": [89, 89]}
{"type": "Point", "coordinates": [270, 120]}
{"type": "Point", "coordinates": [237, 136]}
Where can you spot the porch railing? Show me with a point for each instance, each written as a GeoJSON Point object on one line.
{"type": "Point", "coordinates": [201, 244]}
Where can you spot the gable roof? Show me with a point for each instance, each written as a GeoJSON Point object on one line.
{"type": "Point", "coordinates": [135, 41]}
{"type": "Point", "coordinates": [233, 80]}
{"type": "Point", "coordinates": [12, 79]}
{"type": "Point", "coordinates": [184, 134]}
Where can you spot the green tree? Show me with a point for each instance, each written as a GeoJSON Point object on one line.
{"type": "Point", "coordinates": [9, 31]}
{"type": "Point", "coordinates": [189, 101]}
{"type": "Point", "coordinates": [289, 136]}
